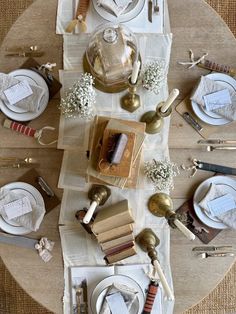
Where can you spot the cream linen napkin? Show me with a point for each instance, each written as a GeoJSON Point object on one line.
{"type": "Point", "coordinates": [31, 220]}
{"type": "Point", "coordinates": [117, 6]}
{"type": "Point", "coordinates": [127, 293]}
{"type": "Point", "coordinates": [30, 103]}
{"type": "Point", "coordinates": [229, 217]}
{"type": "Point", "coordinates": [207, 86]}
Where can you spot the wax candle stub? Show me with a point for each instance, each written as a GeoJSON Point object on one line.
{"type": "Point", "coordinates": [135, 72]}
{"type": "Point", "coordinates": [173, 95]}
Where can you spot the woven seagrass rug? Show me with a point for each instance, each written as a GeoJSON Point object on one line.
{"type": "Point", "coordinates": [14, 300]}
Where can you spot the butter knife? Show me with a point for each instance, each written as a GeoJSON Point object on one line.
{"type": "Point", "coordinates": [216, 141]}
{"type": "Point", "coordinates": [211, 248]}
{"type": "Point", "coordinates": [25, 54]}
{"type": "Point", "coordinates": [150, 11]}
{"type": "Point", "coordinates": [190, 119]}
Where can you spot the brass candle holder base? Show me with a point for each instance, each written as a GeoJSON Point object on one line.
{"type": "Point", "coordinates": [99, 194]}
{"type": "Point", "coordinates": [131, 101]}
{"type": "Point", "coordinates": [161, 205]}
{"type": "Point", "coordinates": [147, 240]}
{"type": "Point", "coordinates": [154, 119]}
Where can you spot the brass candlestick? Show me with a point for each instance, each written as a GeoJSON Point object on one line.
{"type": "Point", "coordinates": [131, 101]}
{"type": "Point", "coordinates": [148, 241]}
{"type": "Point", "coordinates": [98, 194]}
{"type": "Point", "coordinates": [160, 205]}
{"type": "Point", "coordinates": [154, 119]}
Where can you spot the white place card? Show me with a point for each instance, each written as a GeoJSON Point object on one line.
{"type": "Point", "coordinates": [221, 204]}
{"type": "Point", "coordinates": [117, 304]}
{"type": "Point", "coordinates": [18, 92]}
{"type": "Point", "coordinates": [217, 100]}
{"type": "Point", "coordinates": [17, 208]}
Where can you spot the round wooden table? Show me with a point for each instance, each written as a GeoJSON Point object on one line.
{"type": "Point", "coordinates": [194, 25]}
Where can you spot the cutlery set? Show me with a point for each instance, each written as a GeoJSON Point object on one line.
{"type": "Point", "coordinates": [205, 249]}
{"type": "Point", "coordinates": [14, 162]}
{"type": "Point", "coordinates": [31, 51]}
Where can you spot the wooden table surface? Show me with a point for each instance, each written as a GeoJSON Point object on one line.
{"type": "Point", "coordinates": [194, 25]}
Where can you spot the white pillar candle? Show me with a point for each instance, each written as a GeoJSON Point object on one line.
{"type": "Point", "coordinates": [90, 212]}
{"type": "Point", "coordinates": [173, 95]}
{"type": "Point", "coordinates": [135, 72]}
{"type": "Point", "coordinates": [184, 229]}
{"type": "Point", "coordinates": [163, 280]}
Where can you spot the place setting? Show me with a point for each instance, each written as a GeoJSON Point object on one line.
{"type": "Point", "coordinates": [87, 15]}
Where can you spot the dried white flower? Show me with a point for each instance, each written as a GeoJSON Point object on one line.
{"type": "Point", "coordinates": [161, 173]}
{"type": "Point", "coordinates": [80, 99]}
{"type": "Point", "coordinates": [155, 75]}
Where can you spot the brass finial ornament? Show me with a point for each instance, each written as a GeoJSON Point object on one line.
{"type": "Point", "coordinates": [131, 101]}
{"type": "Point", "coordinates": [160, 205]}
{"type": "Point", "coordinates": [98, 194]}
{"type": "Point", "coordinates": [147, 240]}
{"type": "Point", "coordinates": [154, 119]}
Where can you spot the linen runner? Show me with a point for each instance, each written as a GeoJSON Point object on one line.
{"type": "Point", "coordinates": [77, 246]}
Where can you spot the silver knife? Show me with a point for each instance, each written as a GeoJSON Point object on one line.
{"type": "Point", "coordinates": [216, 141]}
{"type": "Point", "coordinates": [190, 119]}
{"type": "Point", "coordinates": [211, 248]}
{"type": "Point", "coordinates": [150, 11]}
{"type": "Point", "coordinates": [25, 54]}
{"type": "Point", "coordinates": [20, 165]}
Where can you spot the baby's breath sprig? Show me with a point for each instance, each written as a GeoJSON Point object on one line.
{"type": "Point", "coordinates": [80, 99]}
{"type": "Point", "coordinates": [154, 75]}
{"type": "Point", "coordinates": [161, 173]}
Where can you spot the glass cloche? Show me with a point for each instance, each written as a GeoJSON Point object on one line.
{"type": "Point", "coordinates": [110, 55]}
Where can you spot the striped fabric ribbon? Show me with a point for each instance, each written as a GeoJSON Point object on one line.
{"type": "Point", "coordinates": [151, 295]}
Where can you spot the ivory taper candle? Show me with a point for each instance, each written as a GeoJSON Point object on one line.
{"type": "Point", "coordinates": [173, 95]}
{"type": "Point", "coordinates": [90, 212]}
{"type": "Point", "coordinates": [163, 280]}
{"type": "Point", "coordinates": [184, 229]}
{"type": "Point", "coordinates": [135, 72]}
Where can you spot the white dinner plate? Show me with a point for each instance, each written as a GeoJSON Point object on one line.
{"type": "Point", "coordinates": [227, 183]}
{"type": "Point", "coordinates": [34, 196]}
{"type": "Point", "coordinates": [210, 117]}
{"type": "Point", "coordinates": [32, 78]}
{"type": "Point", "coordinates": [133, 10]}
{"type": "Point", "coordinates": [100, 290]}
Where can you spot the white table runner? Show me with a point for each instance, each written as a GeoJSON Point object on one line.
{"type": "Point", "coordinates": [78, 248]}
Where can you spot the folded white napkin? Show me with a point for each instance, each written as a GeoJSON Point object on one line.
{"type": "Point", "coordinates": [30, 103]}
{"type": "Point", "coordinates": [31, 220]}
{"type": "Point", "coordinates": [117, 7]}
{"type": "Point", "coordinates": [129, 295]}
{"type": "Point", "coordinates": [207, 86]}
{"type": "Point", "coordinates": [214, 191]}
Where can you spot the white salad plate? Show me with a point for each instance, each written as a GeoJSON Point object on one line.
{"type": "Point", "coordinates": [32, 78]}
{"type": "Point", "coordinates": [210, 117]}
{"type": "Point", "coordinates": [22, 189]}
{"type": "Point", "coordinates": [133, 10]}
{"type": "Point", "coordinates": [100, 290]}
{"type": "Point", "coordinates": [229, 186]}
